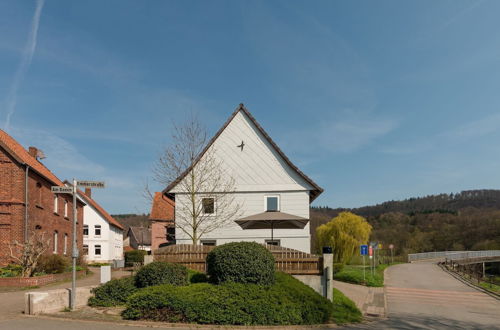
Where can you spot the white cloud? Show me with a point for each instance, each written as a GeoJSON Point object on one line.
{"type": "Point", "coordinates": [26, 58]}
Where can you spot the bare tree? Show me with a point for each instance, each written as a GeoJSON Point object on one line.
{"type": "Point", "coordinates": [204, 198]}
{"type": "Point", "coordinates": [28, 253]}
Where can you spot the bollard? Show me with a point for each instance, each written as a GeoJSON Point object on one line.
{"type": "Point", "coordinates": [105, 274]}
{"type": "Point", "coordinates": [328, 273]}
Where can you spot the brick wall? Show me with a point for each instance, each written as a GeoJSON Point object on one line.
{"type": "Point", "coordinates": [20, 282]}
{"type": "Point", "coordinates": [41, 215]}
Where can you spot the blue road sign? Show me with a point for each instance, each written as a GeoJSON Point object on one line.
{"type": "Point", "coordinates": [364, 250]}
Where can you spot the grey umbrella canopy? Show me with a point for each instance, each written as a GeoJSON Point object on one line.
{"type": "Point", "coordinates": [272, 220]}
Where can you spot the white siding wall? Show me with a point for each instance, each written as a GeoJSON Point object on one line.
{"type": "Point", "coordinates": [292, 202]}
{"type": "Point", "coordinates": [110, 240]}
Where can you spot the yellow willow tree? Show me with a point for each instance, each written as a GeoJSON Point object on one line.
{"type": "Point", "coordinates": [344, 234]}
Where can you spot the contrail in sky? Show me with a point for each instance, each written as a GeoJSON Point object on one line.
{"type": "Point", "coordinates": [26, 58]}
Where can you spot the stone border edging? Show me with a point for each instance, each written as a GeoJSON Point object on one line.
{"type": "Point", "coordinates": [472, 285]}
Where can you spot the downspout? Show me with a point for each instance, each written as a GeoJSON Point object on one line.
{"type": "Point", "coordinates": [26, 203]}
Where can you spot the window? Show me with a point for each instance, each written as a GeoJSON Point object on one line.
{"type": "Point", "coordinates": [275, 242]}
{"type": "Point", "coordinates": [170, 234]}
{"type": "Point", "coordinates": [56, 202]}
{"type": "Point", "coordinates": [65, 209]}
{"type": "Point", "coordinates": [272, 203]}
{"type": "Point", "coordinates": [85, 249]}
{"type": "Point", "coordinates": [97, 250]}
{"type": "Point", "coordinates": [85, 230]}
{"type": "Point", "coordinates": [97, 230]}
{"type": "Point", "coordinates": [208, 205]}
{"type": "Point", "coordinates": [65, 244]}
{"type": "Point", "coordinates": [55, 242]}
{"type": "Point", "coordinates": [209, 242]}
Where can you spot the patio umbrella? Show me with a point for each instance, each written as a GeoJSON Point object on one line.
{"type": "Point", "coordinates": [272, 220]}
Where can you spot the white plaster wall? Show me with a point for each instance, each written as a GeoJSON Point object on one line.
{"type": "Point", "coordinates": [111, 239]}
{"type": "Point", "coordinates": [292, 202]}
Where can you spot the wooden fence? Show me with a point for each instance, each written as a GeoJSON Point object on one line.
{"type": "Point", "coordinates": [287, 260]}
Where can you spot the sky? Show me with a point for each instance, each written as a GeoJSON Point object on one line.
{"type": "Point", "coordinates": [374, 100]}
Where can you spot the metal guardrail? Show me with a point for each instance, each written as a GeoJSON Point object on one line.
{"type": "Point", "coordinates": [453, 255]}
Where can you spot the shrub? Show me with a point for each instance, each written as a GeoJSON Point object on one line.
{"type": "Point", "coordinates": [196, 277]}
{"type": "Point", "coordinates": [288, 301]}
{"type": "Point", "coordinates": [113, 293]}
{"type": "Point", "coordinates": [241, 262]}
{"type": "Point", "coordinates": [159, 272]}
{"type": "Point", "coordinates": [134, 256]}
{"type": "Point", "coordinates": [52, 264]}
{"type": "Point", "coordinates": [11, 270]}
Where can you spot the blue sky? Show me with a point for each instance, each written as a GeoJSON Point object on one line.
{"type": "Point", "coordinates": [375, 100]}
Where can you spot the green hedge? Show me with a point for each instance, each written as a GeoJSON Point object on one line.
{"type": "Point", "coordinates": [134, 256]}
{"type": "Point", "coordinates": [159, 272]}
{"type": "Point", "coordinates": [288, 301]}
{"type": "Point", "coordinates": [113, 293]}
{"type": "Point", "coordinates": [241, 262]}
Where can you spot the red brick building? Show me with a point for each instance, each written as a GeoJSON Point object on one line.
{"type": "Point", "coordinates": [162, 221]}
{"type": "Point", "coordinates": [27, 203]}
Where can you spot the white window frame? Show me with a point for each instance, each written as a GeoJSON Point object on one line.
{"type": "Point", "coordinates": [56, 204]}
{"type": "Point", "coordinates": [265, 202]}
{"type": "Point", "coordinates": [203, 209]}
{"type": "Point", "coordinates": [56, 234]}
{"type": "Point", "coordinates": [85, 227]}
{"type": "Point", "coordinates": [65, 208]}
{"type": "Point", "coordinates": [100, 250]}
{"type": "Point", "coordinates": [211, 242]}
{"type": "Point", "coordinates": [65, 244]}
{"type": "Point", "coordinates": [267, 241]}
{"type": "Point", "coordinates": [95, 230]}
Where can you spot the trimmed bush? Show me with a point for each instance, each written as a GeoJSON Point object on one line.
{"type": "Point", "coordinates": [159, 272]}
{"type": "Point", "coordinates": [134, 256]}
{"type": "Point", "coordinates": [113, 293]}
{"type": "Point", "coordinates": [52, 264]}
{"type": "Point", "coordinates": [196, 277]}
{"type": "Point", "coordinates": [286, 302]}
{"type": "Point", "coordinates": [241, 262]}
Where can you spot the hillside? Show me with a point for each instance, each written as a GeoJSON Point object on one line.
{"type": "Point", "coordinates": [466, 220]}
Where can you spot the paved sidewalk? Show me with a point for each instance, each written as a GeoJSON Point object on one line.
{"type": "Point", "coordinates": [12, 303]}
{"type": "Point", "coordinates": [369, 300]}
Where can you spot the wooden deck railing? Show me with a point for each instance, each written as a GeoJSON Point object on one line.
{"type": "Point", "coordinates": [287, 260]}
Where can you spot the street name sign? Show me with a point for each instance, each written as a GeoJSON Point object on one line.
{"type": "Point", "coordinates": [91, 184]}
{"type": "Point", "coordinates": [61, 190]}
{"type": "Point", "coordinates": [364, 250]}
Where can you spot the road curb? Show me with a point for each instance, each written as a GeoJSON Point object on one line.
{"type": "Point", "coordinates": [472, 285]}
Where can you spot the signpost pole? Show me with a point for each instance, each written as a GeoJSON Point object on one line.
{"type": "Point", "coordinates": [74, 254]}
{"type": "Point", "coordinates": [364, 277]}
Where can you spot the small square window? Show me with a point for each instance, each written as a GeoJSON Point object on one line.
{"type": "Point", "coordinates": [208, 205]}
{"type": "Point", "coordinates": [275, 242]}
{"type": "Point", "coordinates": [97, 230]}
{"type": "Point", "coordinates": [272, 203]}
{"type": "Point", "coordinates": [97, 250]}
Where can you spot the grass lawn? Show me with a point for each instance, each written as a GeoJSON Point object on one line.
{"type": "Point", "coordinates": [345, 310]}
{"type": "Point", "coordinates": [491, 287]}
{"type": "Point", "coordinates": [354, 274]}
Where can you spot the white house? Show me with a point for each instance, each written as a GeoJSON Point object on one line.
{"type": "Point", "coordinates": [102, 234]}
{"type": "Point", "coordinates": [268, 186]}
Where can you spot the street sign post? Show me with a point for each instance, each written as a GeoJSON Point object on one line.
{"type": "Point", "coordinates": [391, 246]}
{"type": "Point", "coordinates": [364, 252]}
{"type": "Point", "coordinates": [91, 184]}
{"type": "Point", "coordinates": [74, 255]}
{"type": "Point", "coordinates": [61, 190]}
{"type": "Point", "coordinates": [370, 253]}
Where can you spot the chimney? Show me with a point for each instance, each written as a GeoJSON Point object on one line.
{"type": "Point", "coordinates": [33, 152]}
{"type": "Point", "coordinates": [88, 192]}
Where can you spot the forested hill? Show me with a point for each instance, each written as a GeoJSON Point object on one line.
{"type": "Point", "coordinates": [469, 220]}
{"type": "Point", "coordinates": [443, 203]}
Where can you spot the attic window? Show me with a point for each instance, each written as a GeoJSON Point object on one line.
{"type": "Point", "coordinates": [272, 203]}
{"type": "Point", "coordinates": [208, 205]}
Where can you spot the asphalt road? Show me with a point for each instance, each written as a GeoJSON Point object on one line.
{"type": "Point", "coordinates": [422, 296]}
